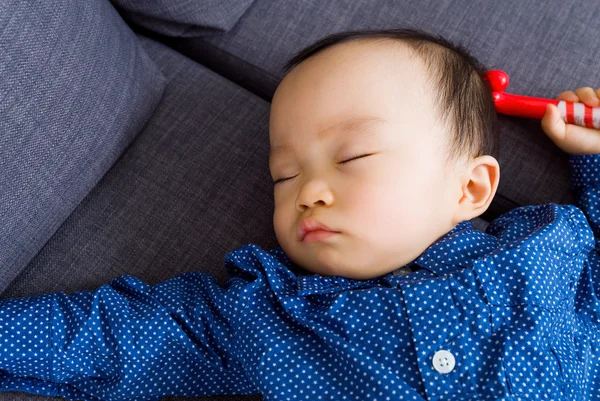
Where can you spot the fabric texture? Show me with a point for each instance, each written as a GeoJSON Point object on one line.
{"type": "Point", "coordinates": [183, 17]}
{"type": "Point", "coordinates": [76, 89]}
{"type": "Point", "coordinates": [514, 309]}
{"type": "Point", "coordinates": [544, 47]}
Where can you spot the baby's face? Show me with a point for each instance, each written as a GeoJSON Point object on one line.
{"type": "Point", "coordinates": [353, 99]}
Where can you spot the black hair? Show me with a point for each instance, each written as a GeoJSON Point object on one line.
{"type": "Point", "coordinates": [465, 97]}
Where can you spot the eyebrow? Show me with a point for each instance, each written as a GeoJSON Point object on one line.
{"type": "Point", "coordinates": [358, 126]}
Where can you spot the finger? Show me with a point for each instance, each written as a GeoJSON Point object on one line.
{"type": "Point", "coordinates": [581, 140]}
{"type": "Point", "coordinates": [598, 92]}
{"type": "Point", "coordinates": [569, 96]}
{"type": "Point", "coordinates": [587, 96]}
{"type": "Point", "coordinates": [553, 125]}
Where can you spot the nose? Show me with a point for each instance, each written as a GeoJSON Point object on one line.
{"type": "Point", "coordinates": [314, 192]}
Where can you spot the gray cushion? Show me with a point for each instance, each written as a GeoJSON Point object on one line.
{"type": "Point", "coordinates": [193, 186]}
{"type": "Point", "coordinates": [183, 17]}
{"type": "Point", "coordinates": [545, 47]}
{"type": "Point", "coordinates": [75, 89]}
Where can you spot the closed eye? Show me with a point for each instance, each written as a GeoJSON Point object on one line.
{"type": "Point", "coordinates": [354, 158]}
{"type": "Point", "coordinates": [343, 162]}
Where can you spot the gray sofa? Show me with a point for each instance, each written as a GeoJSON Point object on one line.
{"type": "Point", "coordinates": [160, 166]}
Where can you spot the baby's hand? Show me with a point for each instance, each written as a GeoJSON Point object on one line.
{"type": "Point", "coordinates": [572, 138]}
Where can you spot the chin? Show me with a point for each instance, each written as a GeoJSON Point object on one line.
{"type": "Point", "coordinates": [326, 261]}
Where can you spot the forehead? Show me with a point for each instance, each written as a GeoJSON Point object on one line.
{"type": "Point", "coordinates": [344, 87]}
{"type": "Point", "coordinates": [365, 126]}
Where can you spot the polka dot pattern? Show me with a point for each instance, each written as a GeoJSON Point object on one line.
{"type": "Point", "coordinates": [506, 314]}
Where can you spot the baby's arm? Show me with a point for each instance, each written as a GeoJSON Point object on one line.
{"type": "Point", "coordinates": [126, 339]}
{"type": "Point", "coordinates": [583, 146]}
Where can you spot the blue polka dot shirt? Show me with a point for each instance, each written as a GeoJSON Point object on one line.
{"type": "Point", "coordinates": [506, 314]}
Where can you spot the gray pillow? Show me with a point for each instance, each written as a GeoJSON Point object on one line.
{"type": "Point", "coordinates": [75, 89]}
{"type": "Point", "coordinates": [183, 18]}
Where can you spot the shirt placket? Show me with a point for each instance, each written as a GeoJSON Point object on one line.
{"type": "Point", "coordinates": [434, 321]}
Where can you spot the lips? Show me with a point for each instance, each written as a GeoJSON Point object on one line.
{"type": "Point", "coordinates": [309, 225]}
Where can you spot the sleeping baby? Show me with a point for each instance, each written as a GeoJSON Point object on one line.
{"type": "Point", "coordinates": [381, 288]}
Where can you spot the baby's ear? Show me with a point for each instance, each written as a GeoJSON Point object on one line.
{"type": "Point", "coordinates": [478, 187]}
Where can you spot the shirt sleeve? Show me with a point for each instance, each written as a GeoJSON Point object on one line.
{"type": "Point", "coordinates": [125, 340]}
{"type": "Point", "coordinates": [585, 185]}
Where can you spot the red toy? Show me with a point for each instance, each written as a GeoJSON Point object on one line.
{"type": "Point", "coordinates": [535, 107]}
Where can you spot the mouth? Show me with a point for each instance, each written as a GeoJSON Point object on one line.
{"type": "Point", "coordinates": [318, 235]}
{"type": "Point", "coordinates": [310, 230]}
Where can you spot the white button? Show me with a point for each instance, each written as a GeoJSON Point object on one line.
{"type": "Point", "coordinates": [443, 361]}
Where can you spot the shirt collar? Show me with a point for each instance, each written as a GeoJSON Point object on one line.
{"type": "Point", "coordinates": [456, 249]}
{"type": "Point", "coordinates": [452, 251]}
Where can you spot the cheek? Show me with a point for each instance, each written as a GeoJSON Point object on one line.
{"type": "Point", "coordinates": [278, 224]}
{"type": "Point", "coordinates": [284, 224]}
{"type": "Point", "coordinates": [374, 204]}
{"type": "Point", "coordinates": [385, 203]}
